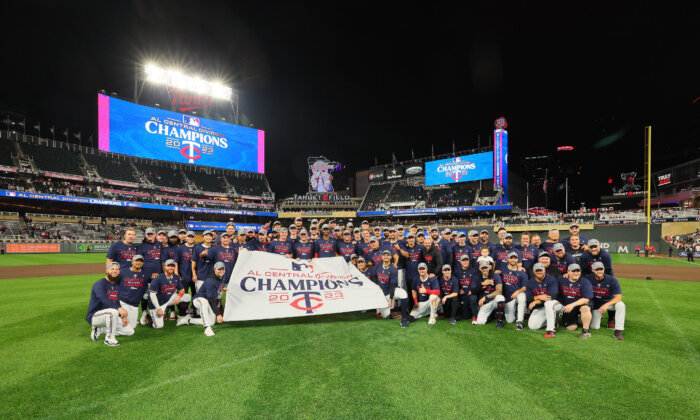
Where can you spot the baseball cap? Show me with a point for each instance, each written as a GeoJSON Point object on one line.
{"type": "Point", "coordinates": [149, 230]}
{"type": "Point", "coordinates": [593, 242]}
{"type": "Point", "coordinates": [190, 233]}
{"type": "Point", "coordinates": [508, 235]}
{"type": "Point", "coordinates": [434, 228]}
{"type": "Point", "coordinates": [385, 229]}
{"type": "Point", "coordinates": [574, 267]}
{"type": "Point", "coordinates": [292, 226]}
{"type": "Point", "coordinates": [353, 256]}
{"type": "Point", "coordinates": [597, 266]}
{"type": "Point", "coordinates": [558, 247]}
{"type": "Point", "coordinates": [161, 232]}
{"type": "Point", "coordinates": [277, 222]}
{"type": "Point", "coordinates": [172, 233]}
{"type": "Point", "coordinates": [219, 265]}
{"type": "Point", "coordinates": [231, 224]}
{"type": "Point", "coordinates": [420, 234]}
{"type": "Point", "coordinates": [361, 259]}
{"type": "Point", "coordinates": [137, 257]}
{"type": "Point", "coordinates": [446, 231]}
{"type": "Point", "coordinates": [372, 239]}
{"type": "Point", "coordinates": [182, 231]}
{"type": "Point", "coordinates": [399, 227]}
{"type": "Point", "coordinates": [484, 231]}
{"type": "Point", "coordinates": [284, 229]}
{"type": "Point", "coordinates": [225, 234]}
{"type": "Point", "coordinates": [386, 252]}
{"type": "Point", "coordinates": [392, 229]}
{"type": "Point", "coordinates": [325, 226]}
{"type": "Point", "coordinates": [365, 222]}
{"type": "Point", "coordinates": [349, 224]}
{"type": "Point", "coordinates": [263, 231]}
{"type": "Point", "coordinates": [303, 232]}
{"type": "Point", "coordinates": [422, 265]}
{"type": "Point", "coordinates": [446, 267]}
{"type": "Point", "coordinates": [501, 228]}
{"type": "Point", "coordinates": [377, 228]}
{"type": "Point", "coordinates": [314, 221]}
{"type": "Point", "coordinates": [538, 267]}
{"type": "Point", "coordinates": [544, 254]}
{"type": "Point", "coordinates": [413, 226]}
{"type": "Point", "coordinates": [112, 264]}
{"type": "Point", "coordinates": [461, 235]}
{"type": "Point", "coordinates": [554, 230]}
{"type": "Point", "coordinates": [297, 218]}
{"type": "Point", "coordinates": [464, 257]}
{"type": "Point", "coordinates": [473, 233]}
{"type": "Point", "coordinates": [484, 264]}
{"type": "Point", "coordinates": [336, 229]}
{"type": "Point", "coordinates": [206, 232]}
{"type": "Point", "coordinates": [346, 232]}
{"type": "Point", "coordinates": [170, 262]}
{"type": "Point", "coordinates": [356, 230]}
{"type": "Point", "coordinates": [512, 254]}
{"type": "Point", "coordinates": [573, 225]}
{"type": "Point", "coordinates": [411, 235]}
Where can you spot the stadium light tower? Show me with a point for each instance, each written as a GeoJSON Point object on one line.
{"type": "Point", "coordinates": [174, 78]}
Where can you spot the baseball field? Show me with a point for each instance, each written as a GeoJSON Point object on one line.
{"type": "Point", "coordinates": [344, 366]}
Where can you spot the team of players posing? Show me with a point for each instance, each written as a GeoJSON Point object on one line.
{"type": "Point", "coordinates": [473, 277]}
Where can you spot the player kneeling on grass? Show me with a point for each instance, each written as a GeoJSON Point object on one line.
{"type": "Point", "coordinates": [426, 295]}
{"type": "Point", "coordinates": [162, 294]}
{"type": "Point", "coordinates": [514, 280]}
{"type": "Point", "coordinates": [388, 278]}
{"type": "Point", "coordinates": [489, 288]}
{"type": "Point", "coordinates": [105, 314]}
{"type": "Point", "coordinates": [206, 301]}
{"type": "Point", "coordinates": [575, 293]}
{"type": "Point", "coordinates": [542, 291]}
{"type": "Point", "coordinates": [449, 287]}
{"type": "Point", "coordinates": [607, 296]}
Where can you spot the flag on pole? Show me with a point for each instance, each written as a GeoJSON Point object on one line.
{"type": "Point", "coordinates": [21, 123]}
{"type": "Point", "coordinates": [77, 135]}
{"type": "Point", "coordinates": [544, 186]}
{"type": "Point", "coordinates": [37, 127]}
{"type": "Point", "coordinates": [52, 132]}
{"type": "Point", "coordinates": [65, 133]}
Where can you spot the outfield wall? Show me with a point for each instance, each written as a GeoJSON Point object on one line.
{"type": "Point", "coordinates": [53, 248]}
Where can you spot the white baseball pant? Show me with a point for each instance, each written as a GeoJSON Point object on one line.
{"type": "Point", "coordinates": [545, 316]}
{"type": "Point", "coordinates": [519, 304]}
{"type": "Point", "coordinates": [487, 308]}
{"type": "Point", "coordinates": [198, 284]}
{"type": "Point", "coordinates": [207, 315]}
{"type": "Point", "coordinates": [428, 307]}
{"type": "Point", "coordinates": [157, 321]}
{"type": "Point", "coordinates": [620, 311]}
{"type": "Point", "coordinates": [398, 295]}
{"type": "Point", "coordinates": [110, 321]}
{"type": "Point", "coordinates": [132, 313]}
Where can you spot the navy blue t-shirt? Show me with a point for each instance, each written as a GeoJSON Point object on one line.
{"type": "Point", "coordinates": [304, 250]}
{"type": "Point", "coordinates": [122, 253]}
{"type": "Point", "coordinates": [280, 247]}
{"type": "Point", "coordinates": [325, 248]}
{"type": "Point", "coordinates": [603, 290]}
{"type": "Point", "coordinates": [466, 277]}
{"type": "Point", "coordinates": [513, 280]}
{"type": "Point", "coordinates": [103, 295]}
{"type": "Point", "coordinates": [132, 286]}
{"type": "Point", "coordinates": [570, 292]}
{"type": "Point", "coordinates": [386, 277]}
{"type": "Point", "coordinates": [164, 288]}
{"type": "Point", "coordinates": [562, 264]}
{"type": "Point", "coordinates": [548, 286]}
{"type": "Point", "coordinates": [210, 289]}
{"type": "Point", "coordinates": [151, 258]}
{"type": "Point", "coordinates": [448, 286]}
{"type": "Point", "coordinates": [500, 256]}
{"type": "Point", "coordinates": [430, 283]}
{"type": "Point", "coordinates": [587, 260]}
{"type": "Point", "coordinates": [203, 264]}
{"type": "Point", "coordinates": [528, 255]}
{"type": "Point", "coordinates": [183, 258]}
{"type": "Point", "coordinates": [226, 255]}
{"type": "Point", "coordinates": [345, 249]}
{"type": "Point", "coordinates": [415, 257]}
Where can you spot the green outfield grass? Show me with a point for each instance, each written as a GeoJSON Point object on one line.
{"type": "Point", "coordinates": [346, 365]}
{"type": "Point", "coordinates": [658, 260]}
{"type": "Point", "coordinates": [13, 260]}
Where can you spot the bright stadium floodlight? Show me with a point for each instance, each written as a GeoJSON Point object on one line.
{"type": "Point", "coordinates": [174, 78]}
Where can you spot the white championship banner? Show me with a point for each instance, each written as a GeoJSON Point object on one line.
{"type": "Point", "coordinates": [264, 286]}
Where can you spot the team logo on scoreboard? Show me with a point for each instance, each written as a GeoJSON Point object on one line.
{"type": "Point", "coordinates": [456, 168]}
{"type": "Point", "coordinates": [191, 151]}
{"type": "Point", "coordinates": [189, 137]}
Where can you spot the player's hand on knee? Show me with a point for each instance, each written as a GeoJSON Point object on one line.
{"type": "Point", "coordinates": [122, 312]}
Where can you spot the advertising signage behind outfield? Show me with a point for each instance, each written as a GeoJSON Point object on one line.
{"type": "Point", "coordinates": [152, 133]}
{"type": "Point", "coordinates": [459, 169]}
{"type": "Point", "coordinates": [376, 176]}
{"type": "Point", "coordinates": [394, 173]}
{"type": "Point", "coordinates": [414, 170]}
{"type": "Point", "coordinates": [32, 248]}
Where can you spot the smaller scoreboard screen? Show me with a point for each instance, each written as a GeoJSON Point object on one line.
{"type": "Point", "coordinates": [459, 169]}
{"type": "Point", "coordinates": [136, 130]}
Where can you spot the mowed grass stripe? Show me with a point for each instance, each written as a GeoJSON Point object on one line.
{"type": "Point", "coordinates": [642, 260]}
{"type": "Point", "coordinates": [344, 365]}
{"type": "Point", "coordinates": [15, 260]}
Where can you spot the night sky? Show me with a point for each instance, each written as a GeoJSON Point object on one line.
{"type": "Point", "coordinates": [355, 80]}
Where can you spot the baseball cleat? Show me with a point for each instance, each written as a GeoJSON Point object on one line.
{"type": "Point", "coordinates": [111, 342]}
{"type": "Point", "coordinates": [144, 318]}
{"type": "Point", "coordinates": [519, 326]}
{"type": "Point", "coordinates": [404, 323]}
{"type": "Point", "coordinates": [499, 323]}
{"type": "Point", "coordinates": [550, 334]}
{"type": "Point", "coordinates": [379, 315]}
{"type": "Point", "coordinates": [453, 321]}
{"type": "Point", "coordinates": [585, 334]}
{"type": "Point", "coordinates": [611, 325]}
{"type": "Point", "coordinates": [95, 333]}
{"type": "Point", "coordinates": [474, 321]}
{"type": "Point", "coordinates": [172, 316]}
{"type": "Point", "coordinates": [618, 335]}
{"type": "Point", "coordinates": [183, 320]}
{"type": "Point", "coordinates": [431, 321]}
{"type": "Point", "coordinates": [209, 332]}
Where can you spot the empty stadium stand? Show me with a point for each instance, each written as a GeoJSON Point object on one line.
{"type": "Point", "coordinates": [163, 176]}
{"type": "Point", "coordinates": [110, 167]}
{"type": "Point", "coordinates": [248, 185]}
{"type": "Point", "coordinates": [7, 150]}
{"type": "Point", "coordinates": [53, 159]}
{"type": "Point", "coordinates": [206, 182]}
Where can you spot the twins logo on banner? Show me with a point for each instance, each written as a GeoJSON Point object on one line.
{"type": "Point", "coordinates": [264, 286]}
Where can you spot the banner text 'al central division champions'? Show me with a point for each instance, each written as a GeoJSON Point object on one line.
{"type": "Point", "coordinates": [459, 169]}
{"type": "Point", "coordinates": [152, 133]}
{"type": "Point", "coordinates": [267, 286]}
